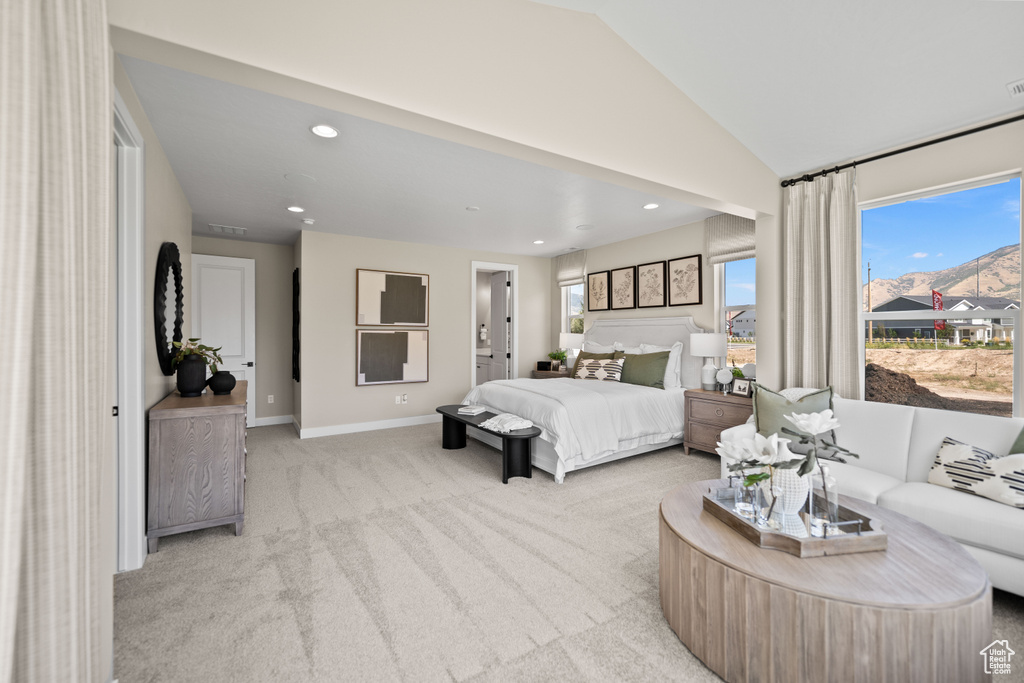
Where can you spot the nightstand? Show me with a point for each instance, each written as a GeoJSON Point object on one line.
{"type": "Point", "coordinates": [549, 374]}
{"type": "Point", "coordinates": [708, 413]}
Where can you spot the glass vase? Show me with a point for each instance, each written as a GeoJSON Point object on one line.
{"type": "Point", "coordinates": [824, 502]}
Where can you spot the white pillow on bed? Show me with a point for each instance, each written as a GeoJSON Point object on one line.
{"type": "Point", "coordinates": [634, 350]}
{"type": "Point", "coordinates": [592, 347]}
{"type": "Point", "coordinates": [673, 369]}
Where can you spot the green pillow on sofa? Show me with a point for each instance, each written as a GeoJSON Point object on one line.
{"type": "Point", "coordinates": [645, 369]}
{"type": "Point", "coordinates": [771, 407]}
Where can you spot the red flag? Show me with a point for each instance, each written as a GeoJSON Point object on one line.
{"type": "Point", "coordinates": [937, 306]}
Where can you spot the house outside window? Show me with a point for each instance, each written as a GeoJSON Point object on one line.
{"type": "Point", "coordinates": [572, 308]}
{"type": "Point", "coordinates": [738, 309]}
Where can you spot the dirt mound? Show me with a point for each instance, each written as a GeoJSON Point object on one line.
{"type": "Point", "coordinates": [886, 386]}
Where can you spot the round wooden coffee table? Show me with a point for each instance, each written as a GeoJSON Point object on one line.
{"type": "Point", "coordinates": [919, 611]}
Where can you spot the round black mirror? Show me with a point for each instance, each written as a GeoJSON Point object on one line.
{"type": "Point", "coordinates": [168, 304]}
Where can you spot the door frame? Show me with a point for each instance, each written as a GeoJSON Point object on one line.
{"type": "Point", "coordinates": [131, 356]}
{"type": "Point", "coordinates": [513, 274]}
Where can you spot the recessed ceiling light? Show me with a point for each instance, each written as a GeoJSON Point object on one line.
{"type": "Point", "coordinates": [650, 206]}
{"type": "Point", "coordinates": [308, 221]}
{"type": "Point", "coordinates": [472, 208]}
{"type": "Point", "coordinates": [324, 131]}
{"type": "Point", "coordinates": [585, 227]}
{"type": "Point", "coordinates": [296, 209]}
{"type": "Point", "coordinates": [538, 241]}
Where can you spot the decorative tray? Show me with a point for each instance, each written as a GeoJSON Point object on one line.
{"type": "Point", "coordinates": [853, 533]}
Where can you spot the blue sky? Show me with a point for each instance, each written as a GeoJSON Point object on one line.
{"type": "Point", "coordinates": [739, 283]}
{"type": "Point", "coordinates": [941, 231]}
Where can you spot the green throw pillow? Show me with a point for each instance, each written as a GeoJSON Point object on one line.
{"type": "Point", "coordinates": [771, 407]}
{"type": "Point", "coordinates": [1018, 445]}
{"type": "Point", "coordinates": [645, 369]}
{"type": "Point", "coordinates": [587, 355]}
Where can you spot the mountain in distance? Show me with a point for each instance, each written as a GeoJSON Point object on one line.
{"type": "Point", "coordinates": [999, 270]}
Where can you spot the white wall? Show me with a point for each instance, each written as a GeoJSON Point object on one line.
{"type": "Point", "coordinates": [329, 395]}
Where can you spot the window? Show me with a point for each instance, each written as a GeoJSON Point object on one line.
{"type": "Point", "coordinates": [959, 252]}
{"type": "Point", "coordinates": [572, 309]}
{"type": "Point", "coordinates": [738, 310]}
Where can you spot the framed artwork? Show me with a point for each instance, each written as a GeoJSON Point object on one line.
{"type": "Point", "coordinates": [741, 387]}
{"type": "Point", "coordinates": [295, 325]}
{"type": "Point", "coordinates": [650, 285]}
{"type": "Point", "coordinates": [597, 291]}
{"type": "Point", "coordinates": [623, 286]}
{"type": "Point", "coordinates": [684, 281]}
{"type": "Point", "coordinates": [391, 356]}
{"type": "Point", "coordinates": [389, 298]}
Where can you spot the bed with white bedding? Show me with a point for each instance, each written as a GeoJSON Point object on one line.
{"type": "Point", "coordinates": [588, 422]}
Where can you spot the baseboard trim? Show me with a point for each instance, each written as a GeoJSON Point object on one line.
{"type": "Point", "coordinates": [275, 420]}
{"type": "Point", "coordinates": [334, 430]}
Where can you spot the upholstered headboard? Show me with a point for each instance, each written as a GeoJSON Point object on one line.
{"type": "Point", "coordinates": [658, 331]}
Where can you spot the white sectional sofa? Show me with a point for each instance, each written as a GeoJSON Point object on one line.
{"type": "Point", "coordinates": [897, 446]}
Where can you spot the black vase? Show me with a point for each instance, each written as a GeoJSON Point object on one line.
{"type": "Point", "coordinates": [222, 382]}
{"type": "Point", "coordinates": [191, 376]}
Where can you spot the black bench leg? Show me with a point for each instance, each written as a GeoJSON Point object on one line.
{"type": "Point", "coordinates": [453, 433]}
{"type": "Point", "coordinates": [516, 459]}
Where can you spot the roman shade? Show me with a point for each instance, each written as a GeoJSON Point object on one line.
{"type": "Point", "coordinates": [728, 238]}
{"type": "Point", "coordinates": [571, 268]}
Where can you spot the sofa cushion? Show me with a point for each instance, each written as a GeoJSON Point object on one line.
{"type": "Point", "coordinates": [992, 433]}
{"type": "Point", "coordinates": [859, 482]}
{"type": "Point", "coordinates": [879, 433]}
{"type": "Point", "coordinates": [772, 407]}
{"type": "Point", "coordinates": [974, 470]}
{"type": "Point", "coordinates": [968, 519]}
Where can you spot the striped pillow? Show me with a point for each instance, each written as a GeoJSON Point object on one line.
{"type": "Point", "coordinates": [973, 470]}
{"type": "Point", "coordinates": [605, 369]}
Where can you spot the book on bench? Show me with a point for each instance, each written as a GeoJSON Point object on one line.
{"type": "Point", "coordinates": [471, 410]}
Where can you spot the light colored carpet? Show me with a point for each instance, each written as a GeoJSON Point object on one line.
{"type": "Point", "coordinates": [381, 556]}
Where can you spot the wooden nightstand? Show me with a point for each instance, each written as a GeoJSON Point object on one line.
{"type": "Point", "coordinates": [708, 413]}
{"type": "Point", "coordinates": [549, 374]}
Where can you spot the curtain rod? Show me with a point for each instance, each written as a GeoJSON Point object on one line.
{"type": "Point", "coordinates": [911, 148]}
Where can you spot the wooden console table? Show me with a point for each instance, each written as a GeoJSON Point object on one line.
{"type": "Point", "coordinates": [196, 463]}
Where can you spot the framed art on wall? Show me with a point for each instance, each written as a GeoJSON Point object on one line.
{"type": "Point", "coordinates": [650, 285]}
{"type": "Point", "coordinates": [597, 291]}
{"type": "Point", "coordinates": [623, 288]}
{"type": "Point", "coordinates": [684, 281]}
{"type": "Point", "coordinates": [390, 298]}
{"type": "Point", "coordinates": [391, 356]}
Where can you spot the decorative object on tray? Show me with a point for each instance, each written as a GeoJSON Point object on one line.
{"type": "Point", "coordinates": [190, 363]}
{"type": "Point", "coordinates": [762, 459]}
{"type": "Point", "coordinates": [650, 285]}
{"type": "Point", "coordinates": [724, 378]}
{"type": "Point", "coordinates": [471, 410]}
{"type": "Point", "coordinates": [685, 286]}
{"type": "Point", "coordinates": [391, 356]}
{"type": "Point", "coordinates": [385, 298]}
{"type": "Point", "coordinates": [708, 345]}
{"type": "Point", "coordinates": [597, 291]}
{"type": "Point", "coordinates": [741, 387]}
{"type": "Point", "coordinates": [623, 286]}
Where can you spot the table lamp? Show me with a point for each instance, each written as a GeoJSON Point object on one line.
{"type": "Point", "coordinates": [709, 345]}
{"type": "Point", "coordinates": [571, 343]}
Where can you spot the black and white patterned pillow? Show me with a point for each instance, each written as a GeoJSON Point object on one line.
{"type": "Point", "coordinates": [974, 470]}
{"type": "Point", "coordinates": [607, 370]}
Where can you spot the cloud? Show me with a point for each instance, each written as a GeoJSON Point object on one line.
{"type": "Point", "coordinates": [919, 254]}
{"type": "Point", "coordinates": [743, 285]}
{"type": "Point", "coordinates": [1012, 207]}
{"type": "Point", "coordinates": [939, 255]}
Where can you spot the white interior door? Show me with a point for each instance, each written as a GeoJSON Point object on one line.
{"type": "Point", "coordinates": [224, 315]}
{"type": "Point", "coordinates": [500, 327]}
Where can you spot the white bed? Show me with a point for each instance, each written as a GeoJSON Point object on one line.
{"type": "Point", "coordinates": [587, 422]}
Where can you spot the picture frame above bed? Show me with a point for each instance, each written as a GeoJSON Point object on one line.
{"type": "Point", "coordinates": [387, 298]}
{"type": "Point", "coordinates": [623, 288]}
{"type": "Point", "coordinates": [650, 285]}
{"type": "Point", "coordinates": [685, 281]}
{"type": "Point", "coordinates": [598, 291]}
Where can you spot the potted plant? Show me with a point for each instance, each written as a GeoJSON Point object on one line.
{"type": "Point", "coordinates": [190, 363]}
{"type": "Point", "coordinates": [557, 358]}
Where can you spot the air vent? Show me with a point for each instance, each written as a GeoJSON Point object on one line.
{"type": "Point", "coordinates": [227, 229]}
{"type": "Point", "coordinates": [1016, 88]}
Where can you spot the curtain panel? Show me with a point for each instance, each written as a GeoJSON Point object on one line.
{"type": "Point", "coordinates": [728, 238]}
{"type": "Point", "coordinates": [571, 268]}
{"type": "Point", "coordinates": [56, 454]}
{"type": "Point", "coordinates": [821, 294]}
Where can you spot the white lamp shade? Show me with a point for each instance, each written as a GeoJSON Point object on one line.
{"type": "Point", "coordinates": [568, 340]}
{"type": "Point", "coordinates": [708, 344]}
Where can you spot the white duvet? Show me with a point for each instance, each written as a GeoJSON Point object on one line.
{"type": "Point", "coordinates": [587, 419]}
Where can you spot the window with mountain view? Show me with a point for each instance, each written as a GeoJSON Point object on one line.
{"type": "Point", "coordinates": [957, 252]}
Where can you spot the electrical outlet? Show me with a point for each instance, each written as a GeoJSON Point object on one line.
{"type": "Point", "coordinates": [270, 398]}
{"type": "Point", "coordinates": [398, 400]}
{"type": "Point", "coordinates": [405, 398]}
